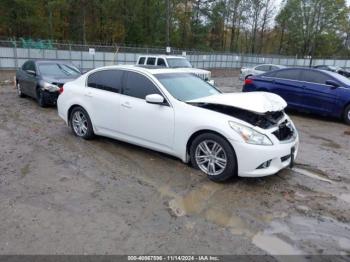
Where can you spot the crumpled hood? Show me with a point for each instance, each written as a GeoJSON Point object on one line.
{"type": "Point", "coordinates": [258, 102]}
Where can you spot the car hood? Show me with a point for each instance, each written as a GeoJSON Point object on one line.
{"type": "Point", "coordinates": [258, 102]}
{"type": "Point", "coordinates": [61, 80]}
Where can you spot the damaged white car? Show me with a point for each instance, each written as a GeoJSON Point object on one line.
{"type": "Point", "coordinates": [223, 135]}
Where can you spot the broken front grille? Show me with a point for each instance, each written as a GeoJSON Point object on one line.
{"type": "Point", "coordinates": [265, 121]}
{"type": "Point", "coordinates": [285, 131]}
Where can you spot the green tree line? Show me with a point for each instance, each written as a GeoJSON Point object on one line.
{"type": "Point", "coordinates": [298, 27]}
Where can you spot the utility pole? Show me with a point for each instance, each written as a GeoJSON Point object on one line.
{"type": "Point", "coordinates": [167, 22]}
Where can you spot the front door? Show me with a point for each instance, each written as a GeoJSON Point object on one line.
{"type": "Point", "coordinates": [142, 123]}
{"type": "Point", "coordinates": [317, 96]}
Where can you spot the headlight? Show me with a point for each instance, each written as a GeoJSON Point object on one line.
{"type": "Point", "coordinates": [249, 135]}
{"type": "Point", "coordinates": [49, 87]}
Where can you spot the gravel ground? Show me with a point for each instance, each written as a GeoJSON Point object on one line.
{"type": "Point", "coordinates": [63, 195]}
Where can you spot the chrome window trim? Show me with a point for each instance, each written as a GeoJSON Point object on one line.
{"type": "Point", "coordinates": [129, 70]}
{"type": "Point", "coordinates": [300, 81]}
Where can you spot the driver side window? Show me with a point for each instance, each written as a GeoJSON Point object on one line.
{"type": "Point", "coordinates": [139, 86]}
{"type": "Point", "coordinates": [29, 65]}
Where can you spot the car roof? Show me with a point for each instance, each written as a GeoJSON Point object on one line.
{"type": "Point", "coordinates": [303, 68]}
{"type": "Point", "coordinates": [282, 66]}
{"type": "Point", "coordinates": [143, 69]}
{"type": "Point", "coordinates": [47, 61]}
{"type": "Point", "coordinates": [163, 56]}
{"type": "Point", "coordinates": [337, 76]}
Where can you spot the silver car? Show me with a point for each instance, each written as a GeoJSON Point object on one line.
{"type": "Point", "coordinates": [257, 70]}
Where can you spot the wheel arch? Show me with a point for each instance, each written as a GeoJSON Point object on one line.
{"type": "Point", "coordinates": [343, 110]}
{"type": "Point", "coordinates": [204, 131]}
{"type": "Point", "coordinates": [71, 109]}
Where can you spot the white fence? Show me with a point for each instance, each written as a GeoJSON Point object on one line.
{"type": "Point", "coordinates": [13, 57]}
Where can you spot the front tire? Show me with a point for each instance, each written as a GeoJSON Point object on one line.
{"type": "Point", "coordinates": [19, 90]}
{"type": "Point", "coordinates": [346, 115]}
{"type": "Point", "coordinates": [80, 123]}
{"type": "Point", "coordinates": [214, 156]}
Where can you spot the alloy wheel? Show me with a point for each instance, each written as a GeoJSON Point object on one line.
{"type": "Point", "coordinates": [211, 157]}
{"type": "Point", "coordinates": [80, 123]}
{"type": "Point", "coordinates": [19, 90]}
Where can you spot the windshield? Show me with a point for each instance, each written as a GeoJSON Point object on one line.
{"type": "Point", "coordinates": [340, 78]}
{"type": "Point", "coordinates": [58, 70]}
{"type": "Point", "coordinates": [185, 87]}
{"type": "Point", "coordinates": [178, 63]}
{"type": "Point", "coordinates": [335, 68]}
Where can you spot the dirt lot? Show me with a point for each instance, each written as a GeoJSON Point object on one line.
{"type": "Point", "coordinates": [60, 194]}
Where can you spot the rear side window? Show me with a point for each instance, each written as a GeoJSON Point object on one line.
{"type": "Point", "coordinates": [315, 77]}
{"type": "Point", "coordinates": [139, 86]}
{"type": "Point", "coordinates": [161, 62]}
{"type": "Point", "coordinates": [293, 74]}
{"type": "Point", "coordinates": [270, 74]}
{"type": "Point", "coordinates": [263, 68]}
{"type": "Point", "coordinates": [151, 61]}
{"type": "Point", "coordinates": [108, 80]}
{"type": "Point", "coordinates": [142, 60]}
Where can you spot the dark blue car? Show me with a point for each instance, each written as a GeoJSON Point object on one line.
{"type": "Point", "coordinates": [306, 89]}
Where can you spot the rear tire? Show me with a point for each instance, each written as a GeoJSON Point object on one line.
{"type": "Point", "coordinates": [214, 156]}
{"type": "Point", "coordinates": [346, 115]}
{"type": "Point", "coordinates": [19, 90]}
{"type": "Point", "coordinates": [80, 123]}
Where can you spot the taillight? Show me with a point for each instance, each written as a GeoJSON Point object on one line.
{"type": "Point", "coordinates": [248, 81]}
{"type": "Point", "coordinates": [60, 91]}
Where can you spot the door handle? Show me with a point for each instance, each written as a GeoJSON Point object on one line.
{"type": "Point", "coordinates": [88, 94]}
{"type": "Point", "coordinates": [126, 105]}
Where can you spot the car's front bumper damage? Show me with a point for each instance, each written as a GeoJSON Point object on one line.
{"type": "Point", "coordinates": [264, 160]}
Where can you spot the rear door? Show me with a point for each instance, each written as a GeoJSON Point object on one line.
{"type": "Point", "coordinates": [102, 97]}
{"type": "Point", "coordinates": [151, 61]}
{"type": "Point", "coordinates": [287, 84]}
{"type": "Point", "coordinates": [317, 96]}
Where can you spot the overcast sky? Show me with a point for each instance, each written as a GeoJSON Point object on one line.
{"type": "Point", "coordinates": [278, 3]}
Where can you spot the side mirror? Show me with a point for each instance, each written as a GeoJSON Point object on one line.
{"type": "Point", "coordinates": [332, 83]}
{"type": "Point", "coordinates": [155, 99]}
{"type": "Point", "coordinates": [31, 72]}
{"type": "Point", "coordinates": [211, 82]}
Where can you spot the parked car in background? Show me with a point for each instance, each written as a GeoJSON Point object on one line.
{"type": "Point", "coordinates": [257, 70]}
{"type": "Point", "coordinates": [43, 79]}
{"type": "Point", "coordinates": [335, 69]}
{"type": "Point", "coordinates": [174, 62]}
{"type": "Point", "coordinates": [177, 113]}
{"type": "Point", "coordinates": [306, 89]}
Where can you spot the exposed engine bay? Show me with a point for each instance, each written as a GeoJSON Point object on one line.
{"type": "Point", "coordinates": [265, 121]}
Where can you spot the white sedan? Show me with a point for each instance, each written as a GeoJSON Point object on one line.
{"type": "Point", "coordinates": [257, 70]}
{"type": "Point", "coordinates": [223, 135]}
